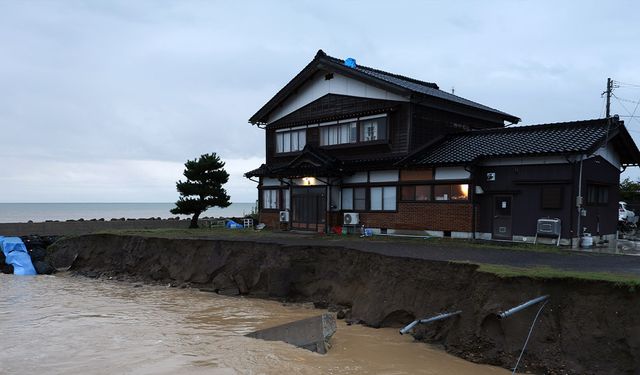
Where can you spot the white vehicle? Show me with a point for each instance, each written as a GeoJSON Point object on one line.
{"type": "Point", "coordinates": [625, 214]}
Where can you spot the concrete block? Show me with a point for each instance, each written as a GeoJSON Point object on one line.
{"type": "Point", "coordinates": [312, 333]}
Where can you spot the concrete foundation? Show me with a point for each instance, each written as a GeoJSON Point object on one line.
{"type": "Point", "coordinates": [311, 333]}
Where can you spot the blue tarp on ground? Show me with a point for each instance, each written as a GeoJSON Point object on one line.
{"type": "Point", "coordinates": [232, 224]}
{"type": "Point", "coordinates": [17, 255]}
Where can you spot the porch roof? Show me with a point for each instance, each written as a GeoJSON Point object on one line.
{"type": "Point", "coordinates": [312, 162]}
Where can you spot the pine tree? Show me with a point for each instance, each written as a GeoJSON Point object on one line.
{"type": "Point", "coordinates": [203, 187]}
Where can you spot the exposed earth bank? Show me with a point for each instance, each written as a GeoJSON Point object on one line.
{"type": "Point", "coordinates": [588, 327]}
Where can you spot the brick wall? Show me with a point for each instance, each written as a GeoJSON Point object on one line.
{"type": "Point", "coordinates": [410, 216]}
{"type": "Point", "coordinates": [423, 216]}
{"type": "Point", "coordinates": [272, 219]}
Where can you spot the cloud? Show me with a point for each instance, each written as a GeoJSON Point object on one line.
{"type": "Point", "coordinates": [110, 180]}
{"type": "Point", "coordinates": [90, 90]}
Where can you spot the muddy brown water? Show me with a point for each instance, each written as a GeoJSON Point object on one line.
{"type": "Point", "coordinates": [72, 325]}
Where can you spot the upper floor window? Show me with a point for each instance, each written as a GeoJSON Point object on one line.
{"type": "Point", "coordinates": [339, 134]}
{"type": "Point", "coordinates": [354, 131]}
{"type": "Point", "coordinates": [291, 140]}
{"type": "Point", "coordinates": [373, 129]}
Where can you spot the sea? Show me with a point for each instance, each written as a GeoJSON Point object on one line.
{"type": "Point", "coordinates": [40, 212]}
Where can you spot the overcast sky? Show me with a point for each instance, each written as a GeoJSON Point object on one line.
{"type": "Point", "coordinates": [104, 101]}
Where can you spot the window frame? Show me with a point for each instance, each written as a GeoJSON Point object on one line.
{"type": "Point", "coordinates": [362, 200]}
{"type": "Point", "coordinates": [286, 137]}
{"type": "Point", "coordinates": [383, 192]}
{"type": "Point", "coordinates": [274, 193]}
{"type": "Point", "coordinates": [429, 188]}
{"type": "Point", "coordinates": [354, 132]}
{"type": "Point", "coordinates": [599, 189]}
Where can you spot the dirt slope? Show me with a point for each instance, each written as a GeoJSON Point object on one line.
{"type": "Point", "coordinates": [587, 327]}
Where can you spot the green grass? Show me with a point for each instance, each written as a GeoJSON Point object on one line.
{"type": "Point", "coordinates": [251, 234]}
{"type": "Point", "coordinates": [630, 281]}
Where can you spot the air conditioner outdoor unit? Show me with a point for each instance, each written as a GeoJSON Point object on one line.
{"type": "Point", "coordinates": [284, 216]}
{"type": "Point", "coordinates": [548, 227]}
{"type": "Point", "coordinates": [351, 218]}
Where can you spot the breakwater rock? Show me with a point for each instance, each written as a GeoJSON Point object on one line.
{"type": "Point", "coordinates": [588, 327]}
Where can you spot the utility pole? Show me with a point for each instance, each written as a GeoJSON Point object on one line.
{"type": "Point", "coordinates": [608, 92]}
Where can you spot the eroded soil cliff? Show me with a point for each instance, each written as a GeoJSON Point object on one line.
{"type": "Point", "coordinates": [588, 327]}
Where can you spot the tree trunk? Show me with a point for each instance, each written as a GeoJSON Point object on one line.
{"type": "Point", "coordinates": [194, 220]}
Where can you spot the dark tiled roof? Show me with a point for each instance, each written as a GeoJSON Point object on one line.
{"type": "Point", "coordinates": [558, 138]}
{"type": "Point", "coordinates": [426, 88]}
{"type": "Point", "coordinates": [390, 80]}
{"type": "Point", "coordinates": [261, 171]}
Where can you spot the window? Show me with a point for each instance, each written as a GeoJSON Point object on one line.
{"type": "Point", "coordinates": [551, 197]}
{"type": "Point", "coordinates": [354, 199]}
{"type": "Point", "coordinates": [347, 199]}
{"type": "Point", "coordinates": [338, 134]}
{"type": "Point", "coordinates": [456, 192]}
{"type": "Point", "coordinates": [383, 198]}
{"type": "Point", "coordinates": [359, 199]}
{"type": "Point", "coordinates": [373, 129]}
{"type": "Point", "coordinates": [291, 141]}
{"type": "Point", "coordinates": [270, 199]}
{"type": "Point", "coordinates": [597, 195]}
{"type": "Point", "coordinates": [353, 131]}
{"type": "Point", "coordinates": [416, 193]}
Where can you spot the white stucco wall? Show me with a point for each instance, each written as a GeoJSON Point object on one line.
{"type": "Point", "coordinates": [318, 87]}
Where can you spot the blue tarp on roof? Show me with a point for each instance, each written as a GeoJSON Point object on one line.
{"type": "Point", "coordinates": [17, 255]}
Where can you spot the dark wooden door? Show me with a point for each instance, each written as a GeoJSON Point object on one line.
{"type": "Point", "coordinates": [502, 220]}
{"type": "Point", "coordinates": [308, 206]}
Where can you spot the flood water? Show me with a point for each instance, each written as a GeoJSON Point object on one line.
{"type": "Point", "coordinates": [73, 325]}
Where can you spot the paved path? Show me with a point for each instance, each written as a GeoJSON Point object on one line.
{"type": "Point", "coordinates": [569, 260]}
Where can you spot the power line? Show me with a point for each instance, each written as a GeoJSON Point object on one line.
{"type": "Point", "coordinates": [631, 115]}
{"type": "Point", "coordinates": [626, 84]}
{"type": "Point", "coordinates": [628, 101]}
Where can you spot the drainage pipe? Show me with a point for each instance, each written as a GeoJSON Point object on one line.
{"type": "Point", "coordinates": [410, 326]}
{"type": "Point", "coordinates": [506, 314]}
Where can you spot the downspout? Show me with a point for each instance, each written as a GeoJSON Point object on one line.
{"type": "Point", "coordinates": [327, 212]}
{"type": "Point", "coordinates": [573, 185]}
{"type": "Point", "coordinates": [579, 199]}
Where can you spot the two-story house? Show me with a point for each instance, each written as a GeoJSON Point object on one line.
{"type": "Point", "coordinates": [348, 145]}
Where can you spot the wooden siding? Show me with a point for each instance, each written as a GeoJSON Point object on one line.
{"type": "Point", "coordinates": [525, 183]}
{"type": "Point", "coordinates": [334, 107]}
{"type": "Point", "coordinates": [428, 124]}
